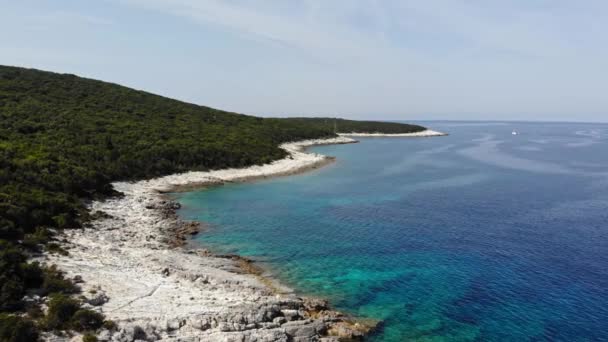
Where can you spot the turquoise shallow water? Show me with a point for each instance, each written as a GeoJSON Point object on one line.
{"type": "Point", "coordinates": [478, 236]}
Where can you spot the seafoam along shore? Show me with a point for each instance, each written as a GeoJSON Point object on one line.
{"type": "Point", "coordinates": [425, 133]}
{"type": "Point", "coordinates": [130, 268]}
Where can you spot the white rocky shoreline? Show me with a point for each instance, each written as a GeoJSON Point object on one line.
{"type": "Point", "coordinates": [131, 265]}
{"type": "Point", "coordinates": [425, 133]}
{"type": "Point", "coordinates": [128, 270]}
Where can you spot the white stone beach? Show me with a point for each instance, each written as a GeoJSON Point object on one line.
{"type": "Point", "coordinates": [425, 133]}
{"type": "Point", "coordinates": [128, 270]}
{"type": "Point", "coordinates": [132, 266]}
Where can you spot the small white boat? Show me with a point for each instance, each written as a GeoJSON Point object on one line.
{"type": "Point", "coordinates": [514, 133]}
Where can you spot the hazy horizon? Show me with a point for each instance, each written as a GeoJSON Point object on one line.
{"type": "Point", "coordinates": [408, 60]}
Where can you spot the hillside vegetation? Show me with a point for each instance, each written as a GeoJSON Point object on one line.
{"type": "Point", "coordinates": [64, 139]}
{"type": "Point", "coordinates": [353, 126]}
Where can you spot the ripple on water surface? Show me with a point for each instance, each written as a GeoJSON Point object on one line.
{"type": "Point", "coordinates": [480, 235]}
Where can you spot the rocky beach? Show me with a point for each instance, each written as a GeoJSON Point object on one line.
{"type": "Point", "coordinates": [132, 267]}
{"type": "Point", "coordinates": [425, 133]}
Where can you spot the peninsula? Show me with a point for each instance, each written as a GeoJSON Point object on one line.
{"type": "Point", "coordinates": [90, 245]}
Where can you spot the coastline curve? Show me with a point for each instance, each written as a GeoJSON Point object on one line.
{"type": "Point", "coordinates": [130, 269]}
{"type": "Point", "coordinates": [425, 133]}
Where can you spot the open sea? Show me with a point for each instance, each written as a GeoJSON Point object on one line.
{"type": "Point", "coordinates": [478, 236]}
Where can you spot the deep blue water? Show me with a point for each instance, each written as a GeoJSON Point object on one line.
{"type": "Point", "coordinates": [480, 235]}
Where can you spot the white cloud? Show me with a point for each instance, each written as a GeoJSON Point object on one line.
{"type": "Point", "coordinates": [356, 28]}
{"type": "Point", "coordinates": [353, 57]}
{"type": "Point", "coordinates": [62, 19]}
{"type": "Point", "coordinates": [317, 29]}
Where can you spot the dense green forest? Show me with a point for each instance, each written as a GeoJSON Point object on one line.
{"type": "Point", "coordinates": [352, 126]}
{"type": "Point", "coordinates": [64, 139]}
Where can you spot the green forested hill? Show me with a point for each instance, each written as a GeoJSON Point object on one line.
{"type": "Point", "coordinates": [353, 126]}
{"type": "Point", "coordinates": [63, 139]}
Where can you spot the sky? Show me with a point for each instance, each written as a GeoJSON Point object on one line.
{"type": "Point", "coordinates": [363, 59]}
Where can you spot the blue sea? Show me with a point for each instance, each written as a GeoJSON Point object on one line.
{"type": "Point", "coordinates": [478, 236]}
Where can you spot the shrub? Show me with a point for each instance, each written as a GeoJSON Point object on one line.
{"type": "Point", "coordinates": [32, 275]}
{"type": "Point", "coordinates": [12, 284]}
{"type": "Point", "coordinates": [60, 312]}
{"type": "Point", "coordinates": [8, 230]}
{"type": "Point", "coordinates": [53, 247]}
{"type": "Point", "coordinates": [16, 276]}
{"type": "Point", "coordinates": [11, 292]}
{"type": "Point", "coordinates": [110, 325]}
{"type": "Point", "coordinates": [40, 237]}
{"type": "Point", "coordinates": [17, 329]}
{"type": "Point", "coordinates": [85, 319]}
{"type": "Point", "coordinates": [65, 313]}
{"type": "Point", "coordinates": [54, 281]}
{"type": "Point", "coordinates": [88, 337]}
{"type": "Point", "coordinates": [35, 312]}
